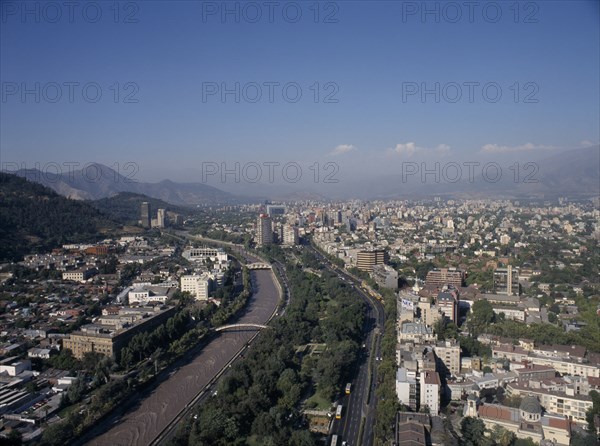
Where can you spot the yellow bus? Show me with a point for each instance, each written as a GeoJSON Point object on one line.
{"type": "Point", "coordinates": [348, 388]}
{"type": "Point", "coordinates": [338, 412]}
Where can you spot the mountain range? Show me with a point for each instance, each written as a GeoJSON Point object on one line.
{"type": "Point", "coordinates": [573, 173]}
{"type": "Point", "coordinates": [97, 181]}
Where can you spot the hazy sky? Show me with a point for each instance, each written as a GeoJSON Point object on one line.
{"type": "Point", "coordinates": [364, 84]}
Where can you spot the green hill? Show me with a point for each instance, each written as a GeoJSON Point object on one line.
{"type": "Point", "coordinates": [125, 207]}
{"type": "Point", "coordinates": [34, 218]}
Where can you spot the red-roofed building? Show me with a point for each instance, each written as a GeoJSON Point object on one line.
{"type": "Point", "coordinates": [528, 421]}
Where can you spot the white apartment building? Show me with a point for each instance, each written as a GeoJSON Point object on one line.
{"type": "Point", "coordinates": [430, 391]}
{"type": "Point", "coordinates": [407, 388]}
{"type": "Point", "coordinates": [197, 285]}
{"type": "Point", "coordinates": [290, 235]}
{"type": "Point", "coordinates": [448, 353]}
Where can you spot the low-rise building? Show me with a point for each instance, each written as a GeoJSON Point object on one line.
{"type": "Point", "coordinates": [147, 294]}
{"type": "Point", "coordinates": [114, 332]}
{"type": "Point", "coordinates": [43, 353]}
{"type": "Point", "coordinates": [385, 276]}
{"type": "Point", "coordinates": [413, 429]}
{"type": "Point", "coordinates": [215, 255]}
{"type": "Point", "coordinates": [416, 332]}
{"type": "Point", "coordinates": [511, 313]}
{"type": "Point", "coordinates": [79, 275]}
{"type": "Point", "coordinates": [445, 276]}
{"type": "Point", "coordinates": [528, 421]}
{"type": "Point", "coordinates": [572, 406]}
{"type": "Point", "coordinates": [13, 367]}
{"type": "Point", "coordinates": [534, 372]}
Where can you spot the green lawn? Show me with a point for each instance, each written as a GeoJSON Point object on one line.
{"type": "Point", "coordinates": [321, 403]}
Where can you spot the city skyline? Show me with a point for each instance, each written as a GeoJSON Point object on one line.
{"type": "Point", "coordinates": [300, 223]}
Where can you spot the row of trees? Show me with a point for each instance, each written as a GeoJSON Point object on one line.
{"type": "Point", "coordinates": [145, 344]}
{"type": "Point", "coordinates": [386, 373]}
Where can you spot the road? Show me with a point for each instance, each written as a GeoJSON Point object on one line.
{"type": "Point", "coordinates": [361, 402]}
{"type": "Point", "coordinates": [154, 413]}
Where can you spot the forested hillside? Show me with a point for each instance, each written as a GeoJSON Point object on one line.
{"type": "Point", "coordinates": [34, 218]}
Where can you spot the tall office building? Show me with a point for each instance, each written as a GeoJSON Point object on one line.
{"type": "Point", "coordinates": [146, 219]}
{"type": "Point", "coordinates": [264, 230]}
{"type": "Point", "coordinates": [290, 235]}
{"type": "Point", "coordinates": [366, 260]}
{"type": "Point", "coordinates": [447, 301]}
{"type": "Point", "coordinates": [506, 281]}
{"type": "Point", "coordinates": [160, 218]}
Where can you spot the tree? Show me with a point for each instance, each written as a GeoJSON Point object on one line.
{"type": "Point", "coordinates": [502, 436]}
{"type": "Point", "coordinates": [76, 390]}
{"type": "Point", "coordinates": [422, 269]}
{"type": "Point", "coordinates": [482, 314]}
{"type": "Point", "coordinates": [302, 438]}
{"type": "Point", "coordinates": [584, 440]}
{"type": "Point", "coordinates": [64, 360]}
{"type": "Point", "coordinates": [14, 438]}
{"type": "Point", "coordinates": [56, 434]}
{"type": "Point", "coordinates": [444, 329]}
{"type": "Point", "coordinates": [526, 442]}
{"type": "Point", "coordinates": [593, 411]}
{"type": "Point", "coordinates": [473, 432]}
{"type": "Point", "coordinates": [90, 361]}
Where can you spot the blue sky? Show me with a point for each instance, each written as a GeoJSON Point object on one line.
{"type": "Point", "coordinates": [365, 59]}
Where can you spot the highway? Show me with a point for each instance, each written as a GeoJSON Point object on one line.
{"type": "Point", "coordinates": [361, 402]}
{"type": "Point", "coordinates": [156, 413]}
